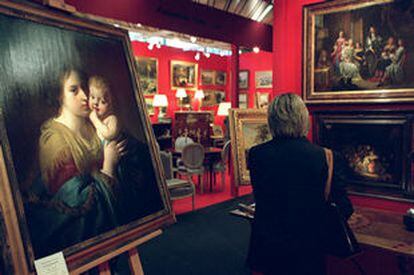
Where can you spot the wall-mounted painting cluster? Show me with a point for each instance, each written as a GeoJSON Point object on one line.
{"type": "Point", "coordinates": [212, 77]}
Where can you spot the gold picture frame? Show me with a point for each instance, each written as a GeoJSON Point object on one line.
{"type": "Point", "coordinates": [262, 100]}
{"type": "Point", "coordinates": [263, 79]}
{"type": "Point", "coordinates": [147, 68]}
{"type": "Point", "coordinates": [355, 52]}
{"type": "Point", "coordinates": [248, 127]}
{"type": "Point", "coordinates": [183, 75]}
{"type": "Point", "coordinates": [82, 213]}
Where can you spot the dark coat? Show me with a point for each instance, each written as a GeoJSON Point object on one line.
{"type": "Point", "coordinates": [288, 177]}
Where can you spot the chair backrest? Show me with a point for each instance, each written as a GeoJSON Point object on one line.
{"type": "Point", "coordinates": [181, 142]}
{"type": "Point", "coordinates": [167, 164]}
{"type": "Point", "coordinates": [193, 155]}
{"type": "Point", "coordinates": [226, 151]}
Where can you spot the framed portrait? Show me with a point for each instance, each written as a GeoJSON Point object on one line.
{"type": "Point", "coordinates": [220, 78]}
{"type": "Point", "coordinates": [263, 79]}
{"type": "Point", "coordinates": [150, 106]}
{"type": "Point", "coordinates": [186, 101]}
{"type": "Point", "coordinates": [243, 103]}
{"type": "Point", "coordinates": [243, 79]}
{"type": "Point", "coordinates": [59, 189]}
{"type": "Point", "coordinates": [358, 52]}
{"type": "Point", "coordinates": [207, 77]}
{"type": "Point", "coordinates": [183, 74]}
{"type": "Point", "coordinates": [247, 129]}
{"type": "Point", "coordinates": [213, 97]}
{"type": "Point", "coordinates": [262, 100]}
{"type": "Point", "coordinates": [148, 74]}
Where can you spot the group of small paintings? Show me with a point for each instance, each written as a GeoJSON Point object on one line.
{"type": "Point", "coordinates": [212, 77]}
{"type": "Point", "coordinates": [263, 79]}
{"type": "Point", "coordinates": [213, 97]}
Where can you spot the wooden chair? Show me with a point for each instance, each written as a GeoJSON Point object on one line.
{"type": "Point", "coordinates": [178, 188]}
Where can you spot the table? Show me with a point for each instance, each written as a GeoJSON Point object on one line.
{"type": "Point", "coordinates": [211, 156]}
{"type": "Point", "coordinates": [384, 230]}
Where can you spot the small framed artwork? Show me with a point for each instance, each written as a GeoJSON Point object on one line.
{"type": "Point", "coordinates": [358, 52]}
{"type": "Point", "coordinates": [183, 74]}
{"type": "Point", "coordinates": [220, 78]}
{"type": "Point", "coordinates": [262, 100]}
{"type": "Point", "coordinates": [186, 101]}
{"type": "Point", "coordinates": [243, 101]}
{"type": "Point", "coordinates": [244, 79]}
{"type": "Point", "coordinates": [263, 79]}
{"type": "Point", "coordinates": [148, 74]}
{"type": "Point", "coordinates": [247, 129]}
{"type": "Point", "coordinates": [150, 106]}
{"type": "Point", "coordinates": [217, 130]}
{"type": "Point", "coordinates": [207, 77]}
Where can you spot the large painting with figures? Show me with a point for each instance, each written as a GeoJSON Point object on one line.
{"type": "Point", "coordinates": [248, 127]}
{"type": "Point", "coordinates": [66, 183]}
{"type": "Point", "coordinates": [358, 51]}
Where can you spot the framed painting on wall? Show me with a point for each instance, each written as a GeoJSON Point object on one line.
{"type": "Point", "coordinates": [59, 188]}
{"type": "Point", "coordinates": [220, 78]}
{"type": "Point", "coordinates": [207, 77]}
{"type": "Point", "coordinates": [150, 106]}
{"type": "Point", "coordinates": [243, 79]}
{"type": "Point", "coordinates": [247, 129]}
{"type": "Point", "coordinates": [262, 100]}
{"type": "Point", "coordinates": [263, 79]}
{"type": "Point", "coordinates": [358, 52]}
{"type": "Point", "coordinates": [243, 101]}
{"type": "Point", "coordinates": [148, 74]}
{"type": "Point", "coordinates": [183, 74]}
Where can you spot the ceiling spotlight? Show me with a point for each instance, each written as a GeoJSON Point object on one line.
{"type": "Point", "coordinates": [139, 25]}
{"type": "Point", "coordinates": [240, 51]}
{"type": "Point", "coordinates": [207, 55]}
{"type": "Point", "coordinates": [193, 39]}
{"type": "Point", "coordinates": [256, 49]}
{"type": "Point", "coordinates": [150, 46]}
{"type": "Point", "coordinates": [158, 45]}
{"type": "Point", "coordinates": [197, 56]}
{"type": "Point", "coordinates": [116, 25]}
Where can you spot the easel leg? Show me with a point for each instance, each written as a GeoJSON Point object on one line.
{"type": "Point", "coordinates": [135, 262]}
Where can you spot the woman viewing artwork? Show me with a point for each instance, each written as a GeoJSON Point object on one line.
{"type": "Point", "coordinates": [288, 174]}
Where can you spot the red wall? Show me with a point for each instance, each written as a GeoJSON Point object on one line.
{"type": "Point", "coordinates": [253, 62]}
{"type": "Point", "coordinates": [165, 55]}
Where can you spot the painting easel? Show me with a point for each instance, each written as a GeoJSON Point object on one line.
{"type": "Point", "coordinates": [133, 257]}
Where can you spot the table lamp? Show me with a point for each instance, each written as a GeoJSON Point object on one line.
{"type": "Point", "coordinates": [199, 95]}
{"type": "Point", "coordinates": [160, 101]}
{"type": "Point", "coordinates": [223, 110]}
{"type": "Point", "coordinates": [180, 94]}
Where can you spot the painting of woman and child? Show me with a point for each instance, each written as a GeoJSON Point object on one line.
{"type": "Point", "coordinates": [81, 161]}
{"type": "Point", "coordinates": [359, 50]}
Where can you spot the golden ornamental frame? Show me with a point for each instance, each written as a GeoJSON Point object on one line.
{"type": "Point", "coordinates": [366, 93]}
{"type": "Point", "coordinates": [193, 86]}
{"type": "Point", "coordinates": [238, 118]}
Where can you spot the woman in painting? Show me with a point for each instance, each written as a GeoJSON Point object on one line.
{"type": "Point", "coordinates": [394, 73]}
{"type": "Point", "coordinates": [337, 50]}
{"type": "Point", "coordinates": [78, 195]}
{"type": "Point", "coordinates": [288, 175]}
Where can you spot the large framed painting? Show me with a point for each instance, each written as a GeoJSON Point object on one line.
{"type": "Point", "coordinates": [263, 79]}
{"type": "Point", "coordinates": [61, 189]}
{"type": "Point", "coordinates": [183, 74]}
{"type": "Point", "coordinates": [358, 51]}
{"type": "Point", "coordinates": [148, 74]}
{"type": "Point", "coordinates": [248, 127]}
{"type": "Point", "coordinates": [243, 79]}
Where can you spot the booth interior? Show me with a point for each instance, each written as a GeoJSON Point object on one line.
{"type": "Point", "coordinates": [197, 78]}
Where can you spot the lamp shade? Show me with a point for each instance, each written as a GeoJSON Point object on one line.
{"type": "Point", "coordinates": [223, 109]}
{"type": "Point", "coordinates": [199, 94]}
{"type": "Point", "coordinates": [160, 101]}
{"type": "Point", "coordinates": [181, 93]}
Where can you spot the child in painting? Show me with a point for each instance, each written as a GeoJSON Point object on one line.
{"type": "Point", "coordinates": [102, 116]}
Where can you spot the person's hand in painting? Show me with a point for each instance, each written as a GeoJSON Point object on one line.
{"type": "Point", "coordinates": [113, 151]}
